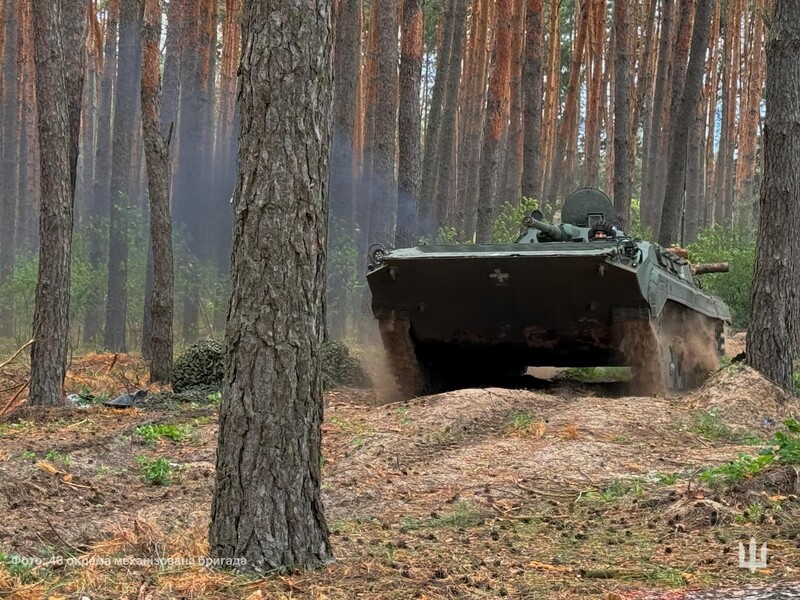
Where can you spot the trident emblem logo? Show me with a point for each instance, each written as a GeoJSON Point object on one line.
{"type": "Point", "coordinates": [754, 562]}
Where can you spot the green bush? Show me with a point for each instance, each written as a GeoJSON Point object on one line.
{"type": "Point", "coordinates": [736, 246]}
{"type": "Point", "coordinates": [507, 224]}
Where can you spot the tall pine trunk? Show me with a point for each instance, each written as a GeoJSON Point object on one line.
{"type": "Point", "coordinates": [496, 119]}
{"type": "Point", "coordinates": [125, 108]}
{"type": "Point", "coordinates": [669, 231]}
{"type": "Point", "coordinates": [532, 113]}
{"type": "Point", "coordinates": [773, 330]}
{"type": "Point", "coordinates": [157, 159]}
{"type": "Point", "coordinates": [622, 112]}
{"type": "Point", "coordinates": [267, 505]}
{"type": "Point", "coordinates": [59, 51]}
{"type": "Point", "coordinates": [409, 122]}
{"type": "Point", "coordinates": [9, 170]}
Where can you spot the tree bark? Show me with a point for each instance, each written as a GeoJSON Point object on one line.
{"type": "Point", "coordinates": [650, 205]}
{"type": "Point", "coordinates": [383, 183]}
{"type": "Point", "coordinates": [510, 186]}
{"type": "Point", "coordinates": [496, 120]}
{"type": "Point", "coordinates": [125, 108]}
{"type": "Point", "coordinates": [430, 164]}
{"type": "Point", "coordinates": [687, 112]}
{"type": "Point", "coordinates": [594, 100]}
{"type": "Point", "coordinates": [569, 118]}
{"type": "Point", "coordinates": [101, 191]}
{"type": "Point", "coordinates": [773, 330]}
{"type": "Point", "coordinates": [51, 311]}
{"type": "Point", "coordinates": [409, 122]}
{"type": "Point", "coordinates": [267, 505]}
{"type": "Point", "coordinates": [532, 85]}
{"type": "Point", "coordinates": [9, 169]}
{"type": "Point", "coordinates": [622, 113]}
{"type": "Point", "coordinates": [445, 154]}
{"type": "Point", "coordinates": [157, 160]}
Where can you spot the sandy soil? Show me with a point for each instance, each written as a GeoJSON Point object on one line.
{"type": "Point", "coordinates": [568, 491]}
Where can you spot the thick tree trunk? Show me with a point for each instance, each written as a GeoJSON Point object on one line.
{"type": "Point", "coordinates": [682, 124]}
{"type": "Point", "coordinates": [532, 85]}
{"type": "Point", "coordinates": [496, 120]}
{"type": "Point", "coordinates": [409, 122]}
{"type": "Point", "coordinates": [125, 108]}
{"type": "Point", "coordinates": [773, 330]}
{"type": "Point", "coordinates": [9, 142]}
{"type": "Point", "coordinates": [157, 159]}
{"type": "Point", "coordinates": [51, 312]}
{"type": "Point", "coordinates": [267, 505]}
{"type": "Point", "coordinates": [622, 112]}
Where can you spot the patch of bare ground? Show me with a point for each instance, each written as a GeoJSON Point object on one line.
{"type": "Point", "coordinates": [481, 493]}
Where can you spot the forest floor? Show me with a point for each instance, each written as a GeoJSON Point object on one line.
{"type": "Point", "coordinates": [570, 490]}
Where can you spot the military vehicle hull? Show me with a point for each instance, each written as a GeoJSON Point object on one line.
{"type": "Point", "coordinates": [467, 314]}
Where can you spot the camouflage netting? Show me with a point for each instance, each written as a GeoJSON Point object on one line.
{"type": "Point", "coordinates": [341, 369]}
{"type": "Point", "coordinates": [201, 366]}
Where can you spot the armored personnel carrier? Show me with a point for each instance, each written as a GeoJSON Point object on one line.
{"type": "Point", "coordinates": [576, 294]}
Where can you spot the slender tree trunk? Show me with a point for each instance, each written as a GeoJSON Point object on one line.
{"type": "Point", "coordinates": [409, 122]}
{"type": "Point", "coordinates": [473, 138]}
{"type": "Point", "coordinates": [650, 204]}
{"type": "Point", "coordinates": [101, 189]}
{"type": "Point", "coordinates": [445, 154]}
{"type": "Point", "coordinates": [430, 164]}
{"type": "Point", "coordinates": [695, 177]}
{"type": "Point", "coordinates": [753, 86]}
{"type": "Point", "coordinates": [622, 113]}
{"type": "Point", "coordinates": [773, 331]}
{"type": "Point", "coordinates": [532, 86]}
{"type": "Point", "coordinates": [712, 93]}
{"type": "Point", "coordinates": [594, 65]}
{"type": "Point", "coordinates": [551, 103]}
{"type": "Point", "coordinates": [9, 169]}
{"type": "Point", "coordinates": [676, 178]}
{"type": "Point", "coordinates": [125, 108]}
{"type": "Point", "coordinates": [383, 184]}
{"type": "Point", "coordinates": [27, 206]}
{"type": "Point", "coordinates": [56, 84]}
{"type": "Point", "coordinates": [643, 108]}
{"type": "Point", "coordinates": [157, 159]}
{"type": "Point", "coordinates": [569, 118]}
{"type": "Point", "coordinates": [510, 186]}
{"type": "Point", "coordinates": [495, 124]}
{"type": "Point", "coordinates": [267, 505]}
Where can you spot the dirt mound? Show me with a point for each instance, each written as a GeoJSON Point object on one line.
{"type": "Point", "coordinates": [743, 397]}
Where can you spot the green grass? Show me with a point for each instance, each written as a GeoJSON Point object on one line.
{"type": "Point", "coordinates": [153, 432]}
{"type": "Point", "coordinates": [157, 471]}
{"type": "Point", "coordinates": [520, 420]}
{"type": "Point", "coordinates": [462, 516]}
{"type": "Point", "coordinates": [597, 374]}
{"type": "Point", "coordinates": [56, 457]}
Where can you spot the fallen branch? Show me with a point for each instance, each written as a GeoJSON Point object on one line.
{"type": "Point", "coordinates": [11, 402]}
{"type": "Point", "coordinates": [16, 354]}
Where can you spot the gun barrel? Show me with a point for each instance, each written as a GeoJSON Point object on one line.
{"type": "Point", "coordinates": [556, 233]}
{"type": "Point", "coordinates": [703, 268]}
